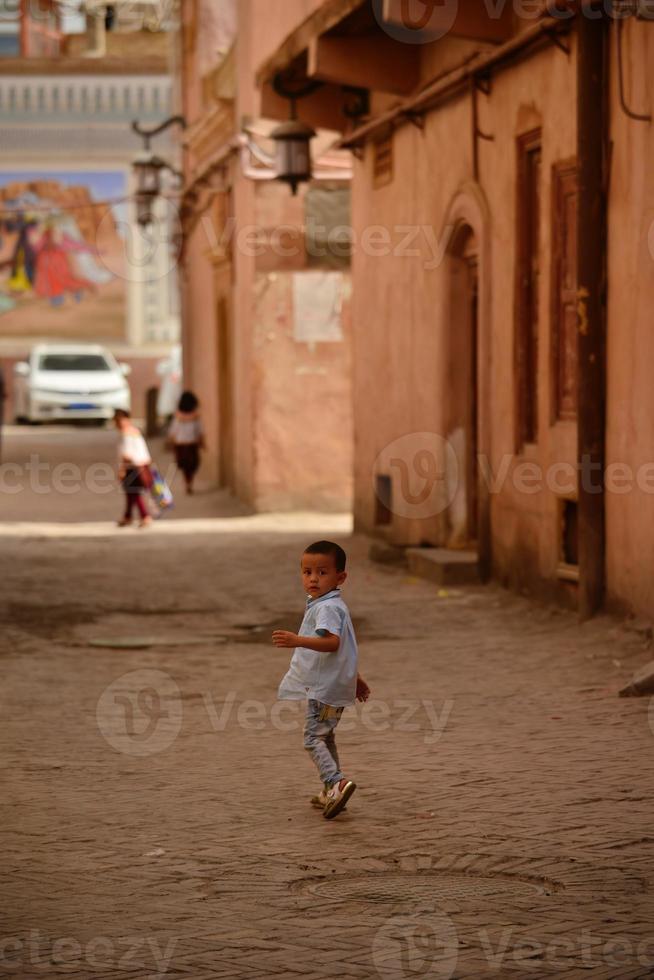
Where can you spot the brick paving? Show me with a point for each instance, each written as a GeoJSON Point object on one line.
{"type": "Point", "coordinates": [155, 807]}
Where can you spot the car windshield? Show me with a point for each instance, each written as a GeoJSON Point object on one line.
{"type": "Point", "coordinates": [73, 362]}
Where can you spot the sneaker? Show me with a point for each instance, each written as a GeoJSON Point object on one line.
{"type": "Point", "coordinates": [146, 522]}
{"type": "Point", "coordinates": [320, 801]}
{"type": "Point", "coordinates": [125, 522]}
{"type": "Point", "coordinates": [337, 797]}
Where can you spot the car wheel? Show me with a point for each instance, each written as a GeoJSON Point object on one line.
{"type": "Point", "coordinates": [20, 420]}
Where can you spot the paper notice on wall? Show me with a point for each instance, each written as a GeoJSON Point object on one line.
{"type": "Point", "coordinates": [317, 306]}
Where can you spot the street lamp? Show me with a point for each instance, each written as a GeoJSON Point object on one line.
{"type": "Point", "coordinates": [293, 152]}
{"type": "Point", "coordinates": [293, 138]}
{"type": "Point", "coordinates": [147, 168]}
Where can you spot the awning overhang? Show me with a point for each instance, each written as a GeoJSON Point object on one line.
{"type": "Point", "coordinates": [322, 20]}
{"type": "Point", "coordinates": [354, 46]}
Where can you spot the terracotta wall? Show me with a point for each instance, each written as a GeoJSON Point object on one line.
{"type": "Point", "coordinates": [526, 532]}
{"type": "Point", "coordinates": [302, 405]}
{"type": "Point", "coordinates": [630, 508]}
{"type": "Point", "coordinates": [291, 418]}
{"type": "Point", "coordinates": [299, 393]}
{"type": "Point", "coordinates": [262, 26]}
{"type": "Point", "coordinates": [199, 343]}
{"type": "Point", "coordinates": [403, 371]}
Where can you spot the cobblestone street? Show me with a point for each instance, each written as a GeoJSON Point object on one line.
{"type": "Point", "coordinates": [156, 816]}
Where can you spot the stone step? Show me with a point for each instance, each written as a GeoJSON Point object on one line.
{"type": "Point", "coordinates": [445, 566]}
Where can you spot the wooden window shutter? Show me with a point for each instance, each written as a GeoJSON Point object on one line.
{"type": "Point", "coordinates": [564, 290]}
{"type": "Point", "coordinates": [527, 286]}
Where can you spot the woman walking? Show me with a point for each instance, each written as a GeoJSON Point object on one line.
{"type": "Point", "coordinates": [133, 468]}
{"type": "Point", "coordinates": [186, 437]}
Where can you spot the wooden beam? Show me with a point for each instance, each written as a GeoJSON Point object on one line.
{"type": "Point", "coordinates": [322, 110]}
{"type": "Point", "coordinates": [471, 19]}
{"type": "Point", "coordinates": [375, 63]}
{"type": "Point", "coordinates": [327, 16]}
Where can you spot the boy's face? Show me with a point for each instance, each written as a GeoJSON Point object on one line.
{"type": "Point", "coordinates": [320, 575]}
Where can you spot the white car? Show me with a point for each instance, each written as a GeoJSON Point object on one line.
{"type": "Point", "coordinates": [69, 381]}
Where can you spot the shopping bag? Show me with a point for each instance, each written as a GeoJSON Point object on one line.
{"type": "Point", "coordinates": [160, 491]}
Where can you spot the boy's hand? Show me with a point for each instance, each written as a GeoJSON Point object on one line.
{"type": "Point", "coordinates": [282, 638]}
{"type": "Point", "coordinates": [363, 691]}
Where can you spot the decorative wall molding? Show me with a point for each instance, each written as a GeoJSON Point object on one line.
{"type": "Point", "coordinates": [98, 98]}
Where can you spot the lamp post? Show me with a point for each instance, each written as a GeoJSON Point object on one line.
{"type": "Point", "coordinates": [147, 168]}
{"type": "Point", "coordinates": [293, 138]}
{"type": "Point", "coordinates": [293, 152]}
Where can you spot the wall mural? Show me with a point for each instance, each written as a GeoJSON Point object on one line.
{"type": "Point", "coordinates": [62, 255]}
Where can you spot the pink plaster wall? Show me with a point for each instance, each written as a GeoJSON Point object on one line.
{"type": "Point", "coordinates": [401, 370]}
{"type": "Point", "coordinates": [303, 443]}
{"type": "Point", "coordinates": [282, 457]}
{"type": "Point", "coordinates": [262, 26]}
{"type": "Point", "coordinates": [199, 342]}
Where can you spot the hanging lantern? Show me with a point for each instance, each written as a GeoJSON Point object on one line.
{"type": "Point", "coordinates": [293, 152]}
{"type": "Point", "coordinates": [147, 170]}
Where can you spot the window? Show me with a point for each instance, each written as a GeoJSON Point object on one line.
{"type": "Point", "coordinates": [328, 235]}
{"type": "Point", "coordinates": [9, 45]}
{"type": "Point", "coordinates": [527, 278]}
{"type": "Point", "coordinates": [564, 291]}
{"type": "Point", "coordinates": [382, 161]}
{"type": "Point", "coordinates": [9, 29]}
{"type": "Point", "coordinates": [73, 362]}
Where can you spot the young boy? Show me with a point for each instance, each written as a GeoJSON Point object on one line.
{"type": "Point", "coordinates": [324, 668]}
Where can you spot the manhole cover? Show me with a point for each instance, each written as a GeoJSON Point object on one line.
{"type": "Point", "coordinates": [406, 888]}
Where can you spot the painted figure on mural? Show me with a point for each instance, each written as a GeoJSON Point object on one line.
{"type": "Point", "coordinates": [60, 244]}
{"type": "Point", "coordinates": [24, 255]}
{"type": "Point", "coordinates": [54, 275]}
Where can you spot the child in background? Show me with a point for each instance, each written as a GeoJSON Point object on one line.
{"type": "Point", "coordinates": [324, 668]}
{"type": "Point", "coordinates": [186, 437]}
{"type": "Point", "coordinates": [133, 468]}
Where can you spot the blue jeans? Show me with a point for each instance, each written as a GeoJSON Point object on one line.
{"type": "Point", "coordinates": [320, 741]}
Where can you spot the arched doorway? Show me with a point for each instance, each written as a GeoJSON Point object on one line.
{"type": "Point", "coordinates": [463, 400]}
{"type": "Point", "coordinates": [468, 366]}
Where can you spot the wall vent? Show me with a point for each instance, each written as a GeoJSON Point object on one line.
{"type": "Point", "coordinates": [382, 161]}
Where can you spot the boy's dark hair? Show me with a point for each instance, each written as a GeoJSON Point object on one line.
{"type": "Point", "coordinates": [328, 548]}
{"type": "Point", "coordinates": [122, 413]}
{"type": "Point", "coordinates": [188, 402]}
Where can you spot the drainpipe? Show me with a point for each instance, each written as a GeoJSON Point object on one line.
{"type": "Point", "coordinates": [592, 131]}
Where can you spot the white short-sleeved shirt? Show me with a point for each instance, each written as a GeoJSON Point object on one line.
{"type": "Point", "coordinates": [132, 448]}
{"type": "Point", "coordinates": [185, 430]}
{"type": "Point", "coordinates": [327, 677]}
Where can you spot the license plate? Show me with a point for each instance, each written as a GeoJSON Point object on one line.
{"type": "Point", "coordinates": [79, 406]}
